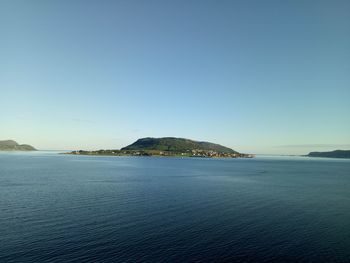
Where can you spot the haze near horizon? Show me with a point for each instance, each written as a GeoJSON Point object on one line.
{"type": "Point", "coordinates": [255, 76]}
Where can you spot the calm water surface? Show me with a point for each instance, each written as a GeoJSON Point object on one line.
{"type": "Point", "coordinates": [62, 208]}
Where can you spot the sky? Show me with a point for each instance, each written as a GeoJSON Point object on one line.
{"type": "Point", "coordinates": [267, 77]}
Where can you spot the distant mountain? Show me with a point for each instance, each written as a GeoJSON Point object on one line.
{"type": "Point", "coordinates": [176, 145]}
{"type": "Point", "coordinates": [332, 154]}
{"type": "Point", "coordinates": [10, 145]}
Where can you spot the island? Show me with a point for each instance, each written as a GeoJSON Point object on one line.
{"type": "Point", "coordinates": [170, 146]}
{"type": "Point", "coordinates": [331, 154]}
{"type": "Point", "coordinates": [11, 145]}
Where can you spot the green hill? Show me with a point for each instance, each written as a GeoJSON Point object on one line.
{"type": "Point", "coordinates": [10, 145]}
{"type": "Point", "coordinates": [332, 154]}
{"type": "Point", "coordinates": [176, 145]}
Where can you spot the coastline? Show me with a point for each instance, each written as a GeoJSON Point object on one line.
{"type": "Point", "coordinates": [150, 153]}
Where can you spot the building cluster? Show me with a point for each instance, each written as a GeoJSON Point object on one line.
{"type": "Point", "coordinates": [204, 153]}
{"type": "Point", "coordinates": [188, 153]}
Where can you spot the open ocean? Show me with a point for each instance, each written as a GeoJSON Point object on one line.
{"type": "Point", "coordinates": [65, 208]}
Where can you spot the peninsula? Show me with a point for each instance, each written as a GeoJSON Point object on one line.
{"type": "Point", "coordinates": [170, 146]}
{"type": "Point", "coordinates": [11, 145]}
{"type": "Point", "coordinates": [332, 154]}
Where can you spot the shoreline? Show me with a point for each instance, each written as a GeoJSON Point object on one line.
{"type": "Point", "coordinates": [160, 154]}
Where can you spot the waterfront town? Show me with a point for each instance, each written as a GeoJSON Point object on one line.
{"type": "Point", "coordinates": [187, 153]}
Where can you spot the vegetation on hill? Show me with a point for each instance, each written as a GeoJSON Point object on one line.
{"type": "Point", "coordinates": [176, 145]}
{"type": "Point", "coordinates": [10, 145]}
{"type": "Point", "coordinates": [332, 154]}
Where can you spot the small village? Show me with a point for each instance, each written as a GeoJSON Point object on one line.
{"type": "Point", "coordinates": [188, 153]}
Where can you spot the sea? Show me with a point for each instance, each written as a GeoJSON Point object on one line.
{"type": "Point", "coordinates": [70, 208]}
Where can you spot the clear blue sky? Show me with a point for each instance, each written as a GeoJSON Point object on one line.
{"type": "Point", "coordinates": [257, 76]}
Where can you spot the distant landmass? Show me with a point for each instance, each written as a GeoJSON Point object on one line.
{"type": "Point", "coordinates": [170, 146]}
{"type": "Point", "coordinates": [10, 145]}
{"type": "Point", "coordinates": [331, 154]}
{"type": "Point", "coordinates": [176, 145]}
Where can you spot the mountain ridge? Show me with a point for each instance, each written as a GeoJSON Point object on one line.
{"type": "Point", "coordinates": [331, 154]}
{"type": "Point", "coordinates": [11, 145]}
{"type": "Point", "coordinates": [176, 145]}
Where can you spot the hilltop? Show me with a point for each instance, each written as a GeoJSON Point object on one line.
{"type": "Point", "coordinates": [332, 154]}
{"type": "Point", "coordinates": [11, 145]}
{"type": "Point", "coordinates": [173, 144]}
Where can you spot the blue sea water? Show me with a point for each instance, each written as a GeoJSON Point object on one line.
{"type": "Point", "coordinates": [65, 208]}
